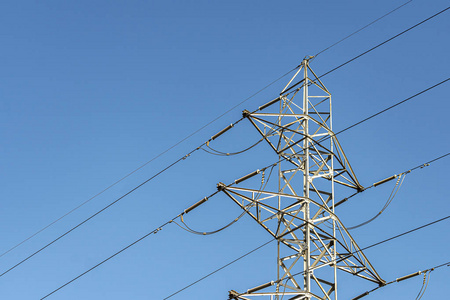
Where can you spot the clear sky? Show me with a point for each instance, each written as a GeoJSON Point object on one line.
{"type": "Point", "coordinates": [91, 90]}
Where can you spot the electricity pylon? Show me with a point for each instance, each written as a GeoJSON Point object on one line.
{"type": "Point", "coordinates": [313, 244]}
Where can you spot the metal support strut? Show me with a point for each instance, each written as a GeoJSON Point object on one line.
{"type": "Point", "coordinates": [298, 210]}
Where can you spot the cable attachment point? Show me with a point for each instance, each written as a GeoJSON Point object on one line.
{"type": "Point", "coordinates": [246, 113]}
{"type": "Point", "coordinates": [221, 186]}
{"type": "Point", "coordinates": [247, 176]}
{"type": "Point", "coordinates": [408, 276]}
{"type": "Point", "coordinates": [385, 180]}
{"type": "Point", "coordinates": [221, 132]}
{"type": "Point", "coordinates": [424, 165]}
{"type": "Point", "coordinates": [267, 104]}
{"type": "Point", "coordinates": [195, 205]}
{"type": "Point", "coordinates": [360, 296]}
{"type": "Point", "coordinates": [232, 295]}
{"type": "Point", "coordinates": [260, 287]}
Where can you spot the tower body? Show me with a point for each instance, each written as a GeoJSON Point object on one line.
{"type": "Point", "coordinates": [299, 210]}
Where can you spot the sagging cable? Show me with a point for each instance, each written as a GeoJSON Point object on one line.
{"type": "Point", "coordinates": [363, 189]}
{"type": "Point", "coordinates": [194, 206]}
{"type": "Point", "coordinates": [426, 279]}
{"type": "Point", "coordinates": [220, 153]}
{"type": "Point", "coordinates": [398, 184]}
{"type": "Point", "coordinates": [221, 186]}
{"type": "Point", "coordinates": [392, 177]}
{"type": "Point", "coordinates": [190, 230]}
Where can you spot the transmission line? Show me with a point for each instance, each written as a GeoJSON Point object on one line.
{"type": "Point", "coordinates": [373, 48]}
{"type": "Point", "coordinates": [146, 163]}
{"type": "Point", "coordinates": [386, 41]}
{"type": "Point", "coordinates": [204, 233]}
{"type": "Point", "coordinates": [259, 247]}
{"type": "Point", "coordinates": [209, 123]}
{"type": "Point", "coordinates": [181, 159]}
{"type": "Point", "coordinates": [117, 253]}
{"type": "Point", "coordinates": [396, 104]}
{"type": "Point", "coordinates": [424, 285]}
{"type": "Point", "coordinates": [421, 166]}
{"type": "Point", "coordinates": [97, 213]}
{"type": "Point", "coordinates": [362, 28]}
{"type": "Point", "coordinates": [192, 207]}
{"type": "Point", "coordinates": [396, 188]}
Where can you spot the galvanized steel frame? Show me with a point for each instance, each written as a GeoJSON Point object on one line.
{"type": "Point", "coordinates": [300, 214]}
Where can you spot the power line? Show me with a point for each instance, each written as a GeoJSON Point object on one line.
{"type": "Point", "coordinates": [97, 213]}
{"type": "Point", "coordinates": [201, 128]}
{"type": "Point", "coordinates": [429, 162]}
{"type": "Point", "coordinates": [362, 28]}
{"type": "Point", "coordinates": [259, 247]}
{"type": "Point", "coordinates": [396, 188]}
{"type": "Point", "coordinates": [408, 171]}
{"type": "Point", "coordinates": [157, 230]}
{"type": "Point", "coordinates": [392, 177]}
{"type": "Point", "coordinates": [118, 252]}
{"type": "Point", "coordinates": [386, 41]}
{"type": "Point", "coordinates": [217, 270]}
{"type": "Point", "coordinates": [146, 163]}
{"type": "Point", "coordinates": [429, 270]}
{"type": "Point", "coordinates": [373, 48]}
{"type": "Point", "coordinates": [180, 159]}
{"type": "Point", "coordinates": [396, 104]}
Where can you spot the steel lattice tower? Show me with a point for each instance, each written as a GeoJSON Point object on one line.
{"type": "Point", "coordinates": [313, 244]}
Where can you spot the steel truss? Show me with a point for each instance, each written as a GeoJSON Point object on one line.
{"type": "Point", "coordinates": [313, 244]}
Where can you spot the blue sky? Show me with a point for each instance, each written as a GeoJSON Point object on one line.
{"type": "Point", "coordinates": [90, 90]}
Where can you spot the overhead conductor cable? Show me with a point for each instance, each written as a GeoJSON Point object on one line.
{"type": "Point", "coordinates": [180, 159]}
{"type": "Point", "coordinates": [328, 73]}
{"type": "Point", "coordinates": [273, 239]}
{"type": "Point", "coordinates": [426, 278]}
{"type": "Point", "coordinates": [204, 126]}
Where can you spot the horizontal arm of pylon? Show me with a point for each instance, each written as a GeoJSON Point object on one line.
{"type": "Point", "coordinates": [361, 267]}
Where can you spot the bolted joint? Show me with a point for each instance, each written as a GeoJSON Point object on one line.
{"type": "Point", "coordinates": [221, 186]}
{"type": "Point", "coordinates": [246, 113]}
{"type": "Point", "coordinates": [232, 295]}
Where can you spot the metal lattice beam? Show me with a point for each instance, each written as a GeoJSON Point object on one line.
{"type": "Point", "coordinates": [313, 244]}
